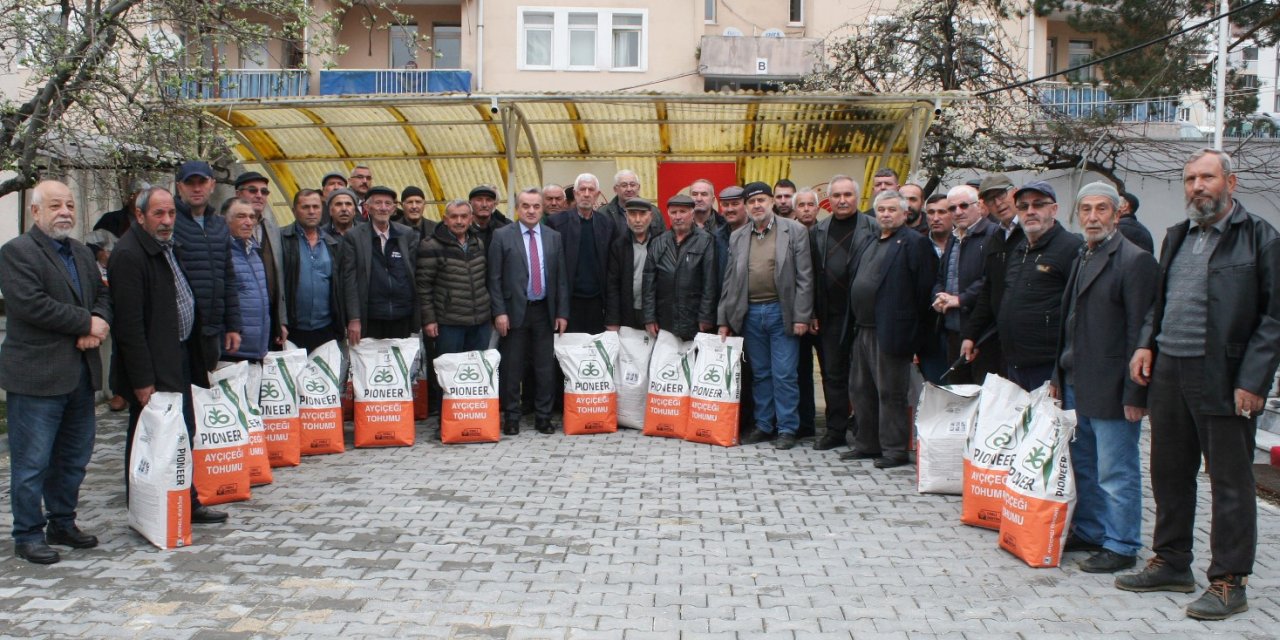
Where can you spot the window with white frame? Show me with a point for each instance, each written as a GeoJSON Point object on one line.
{"type": "Point", "coordinates": [795, 14]}
{"type": "Point", "coordinates": [579, 39]}
{"type": "Point", "coordinates": [709, 11]}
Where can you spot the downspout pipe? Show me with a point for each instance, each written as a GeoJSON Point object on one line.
{"type": "Point", "coordinates": [479, 45]}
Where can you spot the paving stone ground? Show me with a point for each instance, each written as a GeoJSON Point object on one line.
{"type": "Point", "coordinates": [604, 536]}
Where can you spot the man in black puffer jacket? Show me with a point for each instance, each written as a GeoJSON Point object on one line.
{"type": "Point", "coordinates": [1030, 314]}
{"type": "Point", "coordinates": [680, 276]}
{"type": "Point", "coordinates": [204, 251]}
{"type": "Point", "coordinates": [453, 293]}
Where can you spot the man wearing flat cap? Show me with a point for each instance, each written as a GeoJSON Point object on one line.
{"type": "Point", "coordinates": [251, 187]}
{"type": "Point", "coordinates": [628, 254]}
{"type": "Point", "coordinates": [680, 286]}
{"type": "Point", "coordinates": [1109, 292]}
{"type": "Point", "coordinates": [1030, 313]}
{"type": "Point", "coordinates": [484, 213]}
{"type": "Point", "coordinates": [377, 271]}
{"type": "Point", "coordinates": [331, 182]}
{"type": "Point", "coordinates": [768, 299]}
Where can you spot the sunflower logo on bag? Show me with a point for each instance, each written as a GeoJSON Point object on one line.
{"type": "Point", "coordinates": [669, 374]}
{"type": "Point", "coordinates": [714, 374]}
{"type": "Point", "coordinates": [467, 374]}
{"type": "Point", "coordinates": [1001, 438]}
{"type": "Point", "coordinates": [590, 369]}
{"type": "Point", "coordinates": [217, 417]}
{"type": "Point", "coordinates": [270, 391]}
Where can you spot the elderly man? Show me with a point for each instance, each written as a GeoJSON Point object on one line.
{"type": "Point", "coordinates": [628, 256]}
{"type": "Point", "coordinates": [377, 263]}
{"type": "Point", "coordinates": [251, 186]}
{"type": "Point", "coordinates": [1109, 292]}
{"type": "Point", "coordinates": [996, 192]}
{"type": "Point", "coordinates": [529, 299]}
{"type": "Point", "coordinates": [313, 304]}
{"type": "Point", "coordinates": [157, 320]}
{"type": "Point", "coordinates": [768, 299]}
{"type": "Point", "coordinates": [58, 314]}
{"type": "Point", "coordinates": [626, 187]}
{"type": "Point", "coordinates": [735, 217]}
{"type": "Point", "coordinates": [1035, 277]}
{"type": "Point", "coordinates": [835, 244]}
{"type": "Point", "coordinates": [784, 193]}
{"type": "Point", "coordinates": [680, 285]}
{"type": "Point", "coordinates": [553, 199]}
{"type": "Point", "coordinates": [485, 217]}
{"type": "Point", "coordinates": [413, 203]}
{"type": "Point", "coordinates": [1213, 339]}
{"type": "Point", "coordinates": [331, 182]}
{"type": "Point", "coordinates": [340, 206]}
{"type": "Point", "coordinates": [889, 292]}
{"type": "Point", "coordinates": [960, 279]}
{"type": "Point", "coordinates": [453, 292]}
{"type": "Point", "coordinates": [806, 203]}
{"type": "Point", "coordinates": [586, 254]}
{"type": "Point", "coordinates": [205, 257]}
{"type": "Point", "coordinates": [704, 205]}
{"type": "Point", "coordinates": [255, 289]}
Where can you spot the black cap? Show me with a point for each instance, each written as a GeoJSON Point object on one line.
{"type": "Point", "coordinates": [483, 190]}
{"type": "Point", "coordinates": [680, 200]}
{"type": "Point", "coordinates": [731, 192]}
{"type": "Point", "coordinates": [194, 168]}
{"type": "Point", "coordinates": [1039, 186]}
{"type": "Point", "coordinates": [249, 176]}
{"type": "Point", "coordinates": [380, 189]}
{"type": "Point", "coordinates": [638, 204]}
{"type": "Point", "coordinates": [755, 189]}
{"type": "Point", "coordinates": [412, 191]}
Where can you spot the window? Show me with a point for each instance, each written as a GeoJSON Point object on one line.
{"type": "Point", "coordinates": [574, 39]}
{"type": "Point", "coordinates": [709, 11]}
{"type": "Point", "coordinates": [1051, 56]}
{"type": "Point", "coordinates": [796, 13]}
{"type": "Point", "coordinates": [446, 40]}
{"type": "Point", "coordinates": [254, 56]}
{"type": "Point", "coordinates": [1079, 52]}
{"type": "Point", "coordinates": [626, 40]}
{"type": "Point", "coordinates": [404, 45]}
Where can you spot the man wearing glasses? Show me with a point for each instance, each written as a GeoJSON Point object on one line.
{"type": "Point", "coordinates": [960, 277]}
{"type": "Point", "coordinates": [1030, 313]}
{"type": "Point", "coordinates": [251, 187]}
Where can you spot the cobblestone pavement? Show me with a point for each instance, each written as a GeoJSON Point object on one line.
{"type": "Point", "coordinates": [605, 536]}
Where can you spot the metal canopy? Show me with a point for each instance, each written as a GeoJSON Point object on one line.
{"type": "Point", "coordinates": [449, 143]}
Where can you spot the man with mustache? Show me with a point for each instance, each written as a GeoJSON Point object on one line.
{"type": "Point", "coordinates": [1208, 351]}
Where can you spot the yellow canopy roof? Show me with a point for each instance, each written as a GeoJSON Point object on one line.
{"type": "Point", "coordinates": [448, 143]}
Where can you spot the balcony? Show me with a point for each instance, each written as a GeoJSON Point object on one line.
{"type": "Point", "coordinates": [231, 84]}
{"type": "Point", "coordinates": [1063, 99]}
{"type": "Point", "coordinates": [759, 58]}
{"type": "Point", "coordinates": [393, 81]}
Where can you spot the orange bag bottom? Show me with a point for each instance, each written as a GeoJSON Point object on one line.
{"type": "Point", "coordinates": [1034, 529]}
{"type": "Point", "coordinates": [470, 420]}
{"type": "Point", "coordinates": [713, 422]}
{"type": "Point", "coordinates": [666, 416]}
{"type": "Point", "coordinates": [384, 424]}
{"type": "Point", "coordinates": [586, 413]}
{"type": "Point", "coordinates": [282, 439]}
{"type": "Point", "coordinates": [983, 496]}
{"type": "Point", "coordinates": [321, 431]}
{"type": "Point", "coordinates": [221, 475]}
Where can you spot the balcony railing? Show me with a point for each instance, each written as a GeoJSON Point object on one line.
{"type": "Point", "coordinates": [375, 81]}
{"type": "Point", "coordinates": [1089, 101]}
{"type": "Point", "coordinates": [237, 83]}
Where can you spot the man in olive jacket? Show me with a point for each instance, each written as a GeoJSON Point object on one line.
{"type": "Point", "coordinates": [680, 276]}
{"type": "Point", "coordinates": [453, 293]}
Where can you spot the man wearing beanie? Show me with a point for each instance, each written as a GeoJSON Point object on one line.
{"type": "Point", "coordinates": [768, 299]}
{"type": "Point", "coordinates": [1109, 292]}
{"type": "Point", "coordinates": [413, 202]}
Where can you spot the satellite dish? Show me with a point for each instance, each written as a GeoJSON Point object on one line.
{"type": "Point", "coordinates": [733, 32]}
{"type": "Point", "coordinates": [774, 33]}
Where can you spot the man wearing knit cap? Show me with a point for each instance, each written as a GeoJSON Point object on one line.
{"type": "Point", "coordinates": [484, 213]}
{"type": "Point", "coordinates": [377, 261]}
{"type": "Point", "coordinates": [1109, 292]}
{"type": "Point", "coordinates": [413, 202]}
{"type": "Point", "coordinates": [768, 299]}
{"type": "Point", "coordinates": [340, 208]}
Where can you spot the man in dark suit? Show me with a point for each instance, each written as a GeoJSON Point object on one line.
{"type": "Point", "coordinates": [628, 254]}
{"type": "Point", "coordinates": [529, 293]}
{"type": "Point", "coordinates": [377, 262]}
{"type": "Point", "coordinates": [1213, 338]}
{"type": "Point", "coordinates": [890, 287]}
{"type": "Point", "coordinates": [586, 255]}
{"type": "Point", "coordinates": [996, 191]}
{"type": "Point", "coordinates": [58, 314]}
{"type": "Point", "coordinates": [1109, 292]}
{"type": "Point", "coordinates": [157, 320]}
{"type": "Point", "coordinates": [960, 279]}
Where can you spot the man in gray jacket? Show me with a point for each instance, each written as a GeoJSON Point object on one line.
{"type": "Point", "coordinates": [58, 314]}
{"type": "Point", "coordinates": [768, 299]}
{"type": "Point", "coordinates": [377, 261]}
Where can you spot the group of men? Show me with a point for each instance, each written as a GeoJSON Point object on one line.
{"type": "Point", "coordinates": [980, 279]}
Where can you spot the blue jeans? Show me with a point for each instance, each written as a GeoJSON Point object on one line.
{"type": "Point", "coordinates": [456, 338]}
{"type": "Point", "coordinates": [774, 352]}
{"type": "Point", "coordinates": [50, 442]}
{"type": "Point", "coordinates": [1108, 468]}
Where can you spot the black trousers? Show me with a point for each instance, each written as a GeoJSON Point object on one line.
{"type": "Point", "coordinates": [835, 376]}
{"type": "Point", "coordinates": [191, 361]}
{"type": "Point", "coordinates": [804, 379]}
{"type": "Point", "coordinates": [309, 339]}
{"type": "Point", "coordinates": [1180, 434]}
{"type": "Point", "coordinates": [586, 315]}
{"type": "Point", "coordinates": [383, 329]}
{"type": "Point", "coordinates": [878, 385]}
{"type": "Point", "coordinates": [531, 342]}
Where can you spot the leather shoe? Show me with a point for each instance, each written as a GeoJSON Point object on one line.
{"type": "Point", "coordinates": [785, 441]}
{"type": "Point", "coordinates": [1107, 561]}
{"type": "Point", "coordinates": [70, 537]}
{"type": "Point", "coordinates": [205, 515]}
{"type": "Point", "coordinates": [1076, 543]}
{"type": "Point", "coordinates": [854, 454]}
{"type": "Point", "coordinates": [36, 552]}
{"type": "Point", "coordinates": [885, 462]}
{"type": "Point", "coordinates": [756, 436]}
{"type": "Point", "coordinates": [511, 429]}
{"type": "Point", "coordinates": [545, 426]}
{"type": "Point", "coordinates": [117, 403]}
{"type": "Point", "coordinates": [828, 441]}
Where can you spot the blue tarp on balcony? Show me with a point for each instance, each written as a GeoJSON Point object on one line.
{"type": "Point", "coordinates": [383, 81]}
